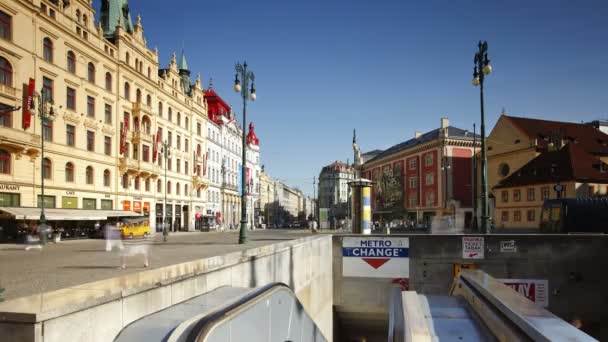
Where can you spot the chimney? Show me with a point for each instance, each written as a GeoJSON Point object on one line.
{"type": "Point", "coordinates": [445, 122]}
{"type": "Point", "coordinates": [417, 134]}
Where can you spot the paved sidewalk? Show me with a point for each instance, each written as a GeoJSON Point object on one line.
{"type": "Point", "coordinates": [76, 262]}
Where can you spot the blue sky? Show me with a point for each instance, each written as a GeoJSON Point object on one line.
{"type": "Point", "coordinates": [387, 68]}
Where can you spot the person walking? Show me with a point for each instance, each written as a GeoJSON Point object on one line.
{"type": "Point", "coordinates": [112, 237]}
{"type": "Point", "coordinates": [135, 246]}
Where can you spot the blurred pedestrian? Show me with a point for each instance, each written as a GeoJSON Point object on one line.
{"type": "Point", "coordinates": [112, 237]}
{"type": "Point", "coordinates": [135, 246]}
{"type": "Point", "coordinates": [32, 240]}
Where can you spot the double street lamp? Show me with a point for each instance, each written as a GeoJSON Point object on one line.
{"type": "Point", "coordinates": [243, 75]}
{"type": "Point", "coordinates": [482, 68]}
{"type": "Point", "coordinates": [47, 114]}
{"type": "Point", "coordinates": [166, 154]}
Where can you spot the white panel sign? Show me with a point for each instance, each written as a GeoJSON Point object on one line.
{"type": "Point", "coordinates": [535, 290]}
{"type": "Point", "coordinates": [472, 247]}
{"type": "Point", "coordinates": [375, 257]}
{"type": "Point", "coordinates": [508, 246]}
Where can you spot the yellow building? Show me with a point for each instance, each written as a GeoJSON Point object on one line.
{"type": "Point", "coordinates": [99, 76]}
{"type": "Point", "coordinates": [529, 160]}
{"type": "Point", "coordinates": [268, 197]}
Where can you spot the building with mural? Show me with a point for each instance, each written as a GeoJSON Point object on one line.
{"type": "Point", "coordinates": [424, 177]}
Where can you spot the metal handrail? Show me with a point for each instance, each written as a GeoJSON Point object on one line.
{"type": "Point", "coordinates": [206, 324]}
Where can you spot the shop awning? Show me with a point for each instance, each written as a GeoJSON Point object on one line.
{"type": "Point", "coordinates": [53, 214]}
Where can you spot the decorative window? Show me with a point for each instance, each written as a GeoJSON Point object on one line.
{"type": "Point", "coordinates": [125, 181]}
{"type": "Point", "coordinates": [5, 26]}
{"type": "Point", "coordinates": [137, 181]}
{"type": "Point", "coordinates": [178, 165]}
{"type": "Point", "coordinates": [46, 168]}
{"type": "Point", "coordinates": [91, 141]}
{"type": "Point", "coordinates": [504, 216]}
{"type": "Point", "coordinates": [47, 130]}
{"type": "Point", "coordinates": [108, 114]}
{"type": "Point", "coordinates": [107, 145]}
{"type": "Point", "coordinates": [90, 106]}
{"type": "Point", "coordinates": [428, 159]}
{"type": "Point", "coordinates": [106, 178]}
{"type": "Point", "coordinates": [69, 172]}
{"type": "Point", "coordinates": [185, 189]}
{"type": "Point", "coordinates": [186, 122]}
{"type": "Point", "coordinates": [505, 196]}
{"type": "Point", "coordinates": [127, 93]}
{"type": "Point", "coordinates": [412, 201]}
{"type": "Point", "coordinates": [108, 81]}
{"type": "Point", "coordinates": [91, 73]}
{"type": "Point", "coordinates": [145, 150]}
{"type": "Point", "coordinates": [149, 100]}
{"type": "Point", "coordinates": [159, 185]}
{"type": "Point", "coordinates": [186, 170]}
{"type": "Point", "coordinates": [412, 164]}
{"type": "Point", "coordinates": [71, 62]}
{"type": "Point", "coordinates": [170, 114]}
{"type": "Point", "coordinates": [429, 178]}
{"type": "Point", "coordinates": [198, 129]}
{"type": "Point", "coordinates": [138, 96]}
{"type": "Point", "coordinates": [5, 162]}
{"type": "Point", "coordinates": [179, 142]}
{"type": "Point", "coordinates": [177, 189]}
{"type": "Point", "coordinates": [89, 175]}
{"type": "Point", "coordinates": [160, 109]}
{"type": "Point", "coordinates": [169, 187]}
{"type": "Point", "coordinates": [531, 215]}
{"type": "Point", "coordinates": [503, 170]}
{"type": "Point", "coordinates": [147, 184]}
{"type": "Point", "coordinates": [544, 193]}
{"type": "Point", "coordinates": [128, 58]}
{"type": "Point", "coordinates": [412, 181]}
{"type": "Point", "coordinates": [517, 216]}
{"type": "Point", "coordinates": [47, 49]}
{"type": "Point", "coordinates": [70, 98]}
{"type": "Point", "coordinates": [186, 144]}
{"type": "Point", "coordinates": [47, 85]}
{"type": "Point", "coordinates": [531, 194]}
{"type": "Point", "coordinates": [70, 135]}
{"type": "Point", "coordinates": [198, 150]}
{"type": "Point", "coordinates": [179, 118]}
{"type": "Point", "coordinates": [149, 72]}
{"type": "Point", "coordinates": [517, 195]}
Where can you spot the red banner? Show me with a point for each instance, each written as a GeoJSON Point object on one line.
{"type": "Point", "coordinates": [27, 114]}
{"type": "Point", "coordinates": [123, 135]}
{"type": "Point", "coordinates": [155, 147]}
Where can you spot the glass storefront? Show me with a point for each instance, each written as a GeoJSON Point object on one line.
{"type": "Point", "coordinates": [69, 202]}
{"type": "Point", "coordinates": [89, 203]}
{"type": "Point", "coordinates": [107, 204]}
{"type": "Point", "coordinates": [49, 201]}
{"type": "Point", "coordinates": [10, 200]}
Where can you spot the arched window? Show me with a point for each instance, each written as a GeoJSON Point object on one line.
{"type": "Point", "coordinates": [108, 81]}
{"type": "Point", "coordinates": [177, 189]}
{"type": "Point", "coordinates": [106, 178]}
{"type": "Point", "coordinates": [147, 184]}
{"type": "Point", "coordinates": [160, 109]}
{"type": "Point", "coordinates": [127, 91]}
{"type": "Point", "coordinates": [91, 74]}
{"type": "Point", "coordinates": [84, 20]}
{"type": "Point", "coordinates": [149, 72]}
{"type": "Point", "coordinates": [46, 168]}
{"type": "Point", "coordinates": [136, 63]}
{"type": "Point", "coordinates": [136, 124]}
{"type": "Point", "coordinates": [128, 58]}
{"type": "Point", "coordinates": [6, 72]}
{"type": "Point", "coordinates": [198, 150]}
{"type": "Point", "coordinates": [149, 100]}
{"type": "Point", "coordinates": [47, 49]}
{"type": "Point", "coordinates": [71, 62]}
{"type": "Point", "coordinates": [170, 114]}
{"type": "Point", "coordinates": [159, 186]}
{"type": "Point", "coordinates": [5, 162]}
{"type": "Point", "coordinates": [141, 66]}
{"type": "Point", "coordinates": [169, 187]}
{"type": "Point", "coordinates": [69, 172]}
{"type": "Point", "coordinates": [179, 118]}
{"type": "Point", "coordinates": [125, 181]}
{"type": "Point", "coordinates": [185, 189]}
{"type": "Point", "coordinates": [138, 96]}
{"type": "Point", "coordinates": [137, 181]}
{"type": "Point", "coordinates": [146, 124]}
{"type": "Point", "coordinates": [186, 121]}
{"type": "Point", "coordinates": [89, 175]}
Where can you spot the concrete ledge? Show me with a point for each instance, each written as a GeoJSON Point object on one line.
{"type": "Point", "coordinates": [53, 304]}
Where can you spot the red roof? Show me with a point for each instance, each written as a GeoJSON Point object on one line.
{"type": "Point", "coordinates": [216, 107]}
{"type": "Point", "coordinates": [570, 163]}
{"type": "Point", "coordinates": [251, 137]}
{"type": "Point", "coordinates": [586, 136]}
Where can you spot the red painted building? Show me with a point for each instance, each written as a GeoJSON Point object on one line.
{"type": "Point", "coordinates": [426, 176]}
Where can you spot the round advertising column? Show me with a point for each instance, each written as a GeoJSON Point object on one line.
{"type": "Point", "coordinates": [361, 206]}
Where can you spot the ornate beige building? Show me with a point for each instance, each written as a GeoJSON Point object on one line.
{"type": "Point", "coordinates": [100, 76]}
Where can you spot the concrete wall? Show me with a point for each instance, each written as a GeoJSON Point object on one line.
{"type": "Point", "coordinates": [574, 266]}
{"type": "Point", "coordinates": [98, 311]}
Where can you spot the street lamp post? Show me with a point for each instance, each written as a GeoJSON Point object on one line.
{"type": "Point", "coordinates": [166, 154]}
{"type": "Point", "coordinates": [482, 68]}
{"type": "Point", "coordinates": [46, 112]}
{"type": "Point", "coordinates": [474, 179]}
{"type": "Point", "coordinates": [247, 94]}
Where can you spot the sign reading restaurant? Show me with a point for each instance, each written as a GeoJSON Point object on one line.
{"type": "Point", "coordinates": [9, 187]}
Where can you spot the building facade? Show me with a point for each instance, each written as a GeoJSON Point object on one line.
{"type": "Point", "coordinates": [114, 107]}
{"type": "Point", "coordinates": [424, 177]}
{"type": "Point", "coordinates": [334, 192]}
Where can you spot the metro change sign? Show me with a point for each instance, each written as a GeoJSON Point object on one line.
{"type": "Point", "coordinates": [375, 257]}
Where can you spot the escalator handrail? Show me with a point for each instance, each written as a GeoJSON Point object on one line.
{"type": "Point", "coordinates": [206, 323]}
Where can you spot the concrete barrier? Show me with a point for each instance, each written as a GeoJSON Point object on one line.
{"type": "Point", "coordinates": [98, 311]}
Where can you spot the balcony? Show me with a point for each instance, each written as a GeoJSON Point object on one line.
{"type": "Point", "coordinates": [8, 92]}
{"type": "Point", "coordinates": [140, 108]}
{"type": "Point", "coordinates": [140, 136]}
{"type": "Point", "coordinates": [138, 168]}
{"type": "Point", "coordinates": [131, 166]}
{"type": "Point", "coordinates": [228, 186]}
{"type": "Point", "coordinates": [148, 169]}
{"type": "Point", "coordinates": [199, 181]}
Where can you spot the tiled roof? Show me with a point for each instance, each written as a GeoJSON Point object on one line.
{"type": "Point", "coordinates": [586, 136]}
{"type": "Point", "coordinates": [569, 163]}
{"type": "Point", "coordinates": [453, 132]}
{"type": "Point", "coordinates": [337, 166]}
